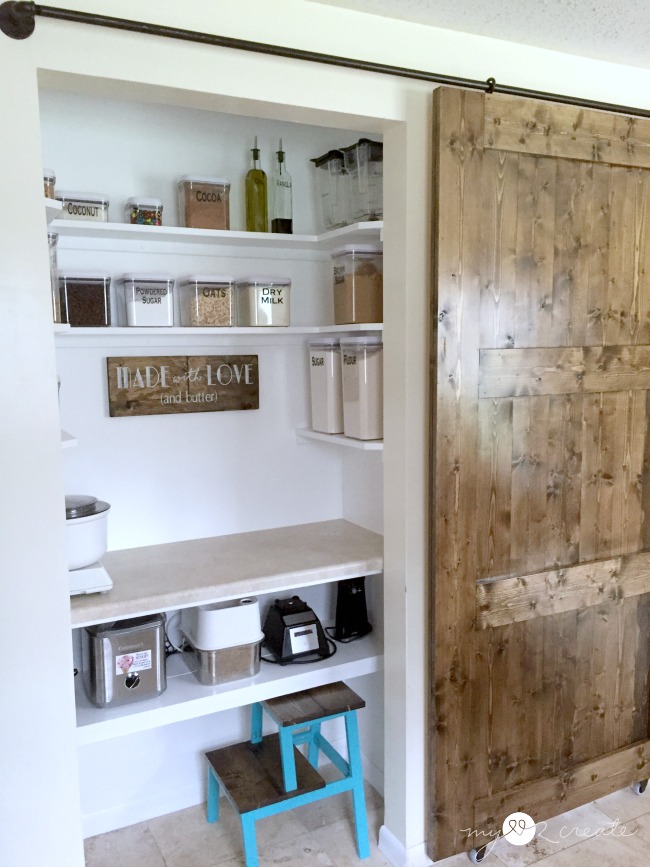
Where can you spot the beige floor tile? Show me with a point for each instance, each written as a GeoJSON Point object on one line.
{"type": "Point", "coordinates": [602, 851]}
{"type": "Point", "coordinates": [339, 841]}
{"type": "Point", "coordinates": [625, 804]}
{"type": "Point", "coordinates": [187, 839]}
{"type": "Point", "coordinates": [124, 848]}
{"type": "Point", "coordinates": [301, 851]}
{"type": "Point", "coordinates": [552, 836]}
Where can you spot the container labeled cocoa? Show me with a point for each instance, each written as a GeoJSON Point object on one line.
{"type": "Point", "coordinates": [358, 284]}
{"type": "Point", "coordinates": [85, 298]}
{"type": "Point", "coordinates": [204, 203]}
{"type": "Point", "coordinates": [83, 206]}
{"type": "Point", "coordinates": [207, 300]}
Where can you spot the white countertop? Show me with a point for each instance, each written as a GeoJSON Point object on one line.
{"type": "Point", "coordinates": [183, 574]}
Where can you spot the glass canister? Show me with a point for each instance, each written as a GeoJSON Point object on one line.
{"type": "Point", "coordinates": [83, 206]}
{"type": "Point", "coordinates": [358, 284]}
{"type": "Point", "coordinates": [52, 242]}
{"type": "Point", "coordinates": [362, 377]}
{"type": "Point", "coordinates": [85, 298]}
{"type": "Point", "coordinates": [207, 299]}
{"type": "Point", "coordinates": [263, 301]}
{"type": "Point", "coordinates": [364, 165]}
{"type": "Point", "coordinates": [204, 203]}
{"type": "Point", "coordinates": [144, 212]}
{"type": "Point", "coordinates": [332, 187]}
{"type": "Point", "coordinates": [49, 181]}
{"type": "Point", "coordinates": [326, 386]}
{"type": "Point", "coordinates": [148, 298]}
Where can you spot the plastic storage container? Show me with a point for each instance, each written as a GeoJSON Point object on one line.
{"type": "Point", "coordinates": [263, 301]}
{"type": "Point", "coordinates": [207, 299]}
{"type": "Point", "coordinates": [332, 187]}
{"type": "Point", "coordinates": [364, 166]}
{"type": "Point", "coordinates": [358, 284]}
{"type": "Point", "coordinates": [85, 298]}
{"type": "Point", "coordinates": [204, 203]}
{"type": "Point", "coordinates": [49, 181]}
{"type": "Point", "coordinates": [148, 299]}
{"type": "Point", "coordinates": [52, 242]}
{"type": "Point", "coordinates": [83, 206]}
{"type": "Point", "coordinates": [144, 212]}
{"type": "Point", "coordinates": [124, 661]}
{"type": "Point", "coordinates": [225, 639]}
{"type": "Point", "coordinates": [86, 530]}
{"type": "Point", "coordinates": [326, 387]}
{"type": "Point", "coordinates": [362, 376]}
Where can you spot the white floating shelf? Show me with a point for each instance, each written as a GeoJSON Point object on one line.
{"type": "Point", "coordinates": [185, 698]}
{"type": "Point", "coordinates": [340, 440]}
{"type": "Point", "coordinates": [52, 209]}
{"type": "Point", "coordinates": [67, 440]}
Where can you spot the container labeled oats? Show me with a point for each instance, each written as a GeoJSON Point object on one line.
{"type": "Point", "coordinates": [207, 300]}
{"type": "Point", "coordinates": [204, 203]}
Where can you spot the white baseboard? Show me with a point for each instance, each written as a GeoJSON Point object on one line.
{"type": "Point", "coordinates": [398, 854]}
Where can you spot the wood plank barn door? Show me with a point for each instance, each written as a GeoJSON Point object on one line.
{"type": "Point", "coordinates": [540, 484]}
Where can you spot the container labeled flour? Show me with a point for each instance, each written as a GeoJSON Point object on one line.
{"type": "Point", "coordinates": [362, 376]}
{"type": "Point", "coordinates": [326, 387]}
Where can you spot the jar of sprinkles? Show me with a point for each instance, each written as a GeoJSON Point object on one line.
{"type": "Point", "coordinates": [144, 212]}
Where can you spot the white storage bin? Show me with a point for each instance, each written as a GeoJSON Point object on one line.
{"type": "Point", "coordinates": [263, 301]}
{"type": "Point", "coordinates": [148, 299]}
{"type": "Point", "coordinates": [326, 386]}
{"type": "Point", "coordinates": [362, 374]}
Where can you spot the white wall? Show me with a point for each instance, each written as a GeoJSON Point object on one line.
{"type": "Point", "coordinates": [38, 724]}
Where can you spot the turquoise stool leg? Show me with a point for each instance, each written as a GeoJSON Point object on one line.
{"type": "Point", "coordinates": [256, 724]}
{"type": "Point", "coordinates": [314, 735]}
{"type": "Point", "coordinates": [213, 797]}
{"type": "Point", "coordinates": [358, 795]}
{"type": "Point", "coordinates": [250, 843]}
{"type": "Point", "coordinates": [288, 761]}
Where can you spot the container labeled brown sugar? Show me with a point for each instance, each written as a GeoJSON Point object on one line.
{"type": "Point", "coordinates": [358, 284]}
{"type": "Point", "coordinates": [85, 298]}
{"type": "Point", "coordinates": [204, 203]}
{"type": "Point", "coordinates": [207, 299]}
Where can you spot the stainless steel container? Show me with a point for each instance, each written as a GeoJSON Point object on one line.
{"type": "Point", "coordinates": [124, 661]}
{"type": "Point", "coordinates": [228, 663]}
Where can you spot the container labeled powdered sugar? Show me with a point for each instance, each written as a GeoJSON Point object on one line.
{"type": "Point", "coordinates": [148, 299]}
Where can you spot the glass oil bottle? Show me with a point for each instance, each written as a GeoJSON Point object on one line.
{"type": "Point", "coordinates": [257, 218]}
{"type": "Point", "coordinates": [281, 199]}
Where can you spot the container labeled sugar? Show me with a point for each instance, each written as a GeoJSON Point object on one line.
{"type": "Point", "coordinates": [144, 212]}
{"type": "Point", "coordinates": [85, 298]}
{"type": "Point", "coordinates": [207, 299]}
{"type": "Point", "coordinates": [148, 299]}
{"type": "Point", "coordinates": [204, 203]}
{"type": "Point", "coordinates": [83, 206]}
{"type": "Point", "coordinates": [263, 301]}
{"type": "Point", "coordinates": [358, 284]}
{"type": "Point", "coordinates": [362, 376]}
{"type": "Point", "coordinates": [326, 386]}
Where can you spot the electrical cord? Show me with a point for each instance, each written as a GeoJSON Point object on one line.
{"type": "Point", "coordinates": [329, 629]}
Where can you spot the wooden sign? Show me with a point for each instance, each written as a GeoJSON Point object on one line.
{"type": "Point", "coordinates": [158, 385]}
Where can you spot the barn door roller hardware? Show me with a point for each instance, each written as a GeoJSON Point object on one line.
{"type": "Point", "coordinates": [18, 20]}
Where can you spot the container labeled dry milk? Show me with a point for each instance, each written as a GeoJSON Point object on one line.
{"type": "Point", "coordinates": [362, 377]}
{"type": "Point", "coordinates": [326, 386]}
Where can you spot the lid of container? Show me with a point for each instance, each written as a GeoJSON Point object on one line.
{"type": "Point", "coordinates": [144, 202]}
{"type": "Point", "coordinates": [49, 174]}
{"type": "Point", "coordinates": [82, 506]}
{"type": "Point", "coordinates": [205, 278]}
{"type": "Point", "coordinates": [324, 343]}
{"type": "Point", "coordinates": [202, 179]}
{"type": "Point", "coordinates": [368, 340]}
{"type": "Point", "coordinates": [81, 197]}
{"type": "Point", "coordinates": [282, 281]}
{"type": "Point", "coordinates": [98, 276]}
{"type": "Point", "coordinates": [52, 236]}
{"type": "Point", "coordinates": [358, 248]}
{"type": "Point", "coordinates": [326, 158]}
{"type": "Point", "coordinates": [376, 148]}
{"type": "Point", "coordinates": [145, 278]}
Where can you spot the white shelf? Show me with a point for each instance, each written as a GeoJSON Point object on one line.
{"type": "Point", "coordinates": [53, 209]}
{"type": "Point", "coordinates": [341, 440]}
{"type": "Point", "coordinates": [67, 440]}
{"type": "Point", "coordinates": [185, 698]}
{"type": "Point", "coordinates": [176, 575]}
{"type": "Point", "coordinates": [128, 234]}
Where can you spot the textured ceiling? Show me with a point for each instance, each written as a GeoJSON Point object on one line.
{"type": "Point", "coordinates": [603, 29]}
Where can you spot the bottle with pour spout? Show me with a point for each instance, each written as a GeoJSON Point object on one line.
{"type": "Point", "coordinates": [281, 189]}
{"type": "Point", "coordinates": [257, 219]}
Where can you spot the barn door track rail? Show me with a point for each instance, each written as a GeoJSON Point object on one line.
{"type": "Point", "coordinates": [18, 21]}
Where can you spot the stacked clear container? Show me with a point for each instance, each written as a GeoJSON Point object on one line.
{"type": "Point", "coordinates": [332, 187]}
{"type": "Point", "coordinates": [207, 300]}
{"type": "Point", "coordinates": [263, 301]}
{"type": "Point", "coordinates": [326, 385]}
{"type": "Point", "coordinates": [362, 375]}
{"type": "Point", "coordinates": [364, 167]}
{"type": "Point", "coordinates": [358, 284]}
{"type": "Point", "coordinates": [85, 298]}
{"type": "Point", "coordinates": [204, 203]}
{"type": "Point", "coordinates": [148, 299]}
{"type": "Point", "coordinates": [144, 212]}
{"type": "Point", "coordinates": [83, 206]}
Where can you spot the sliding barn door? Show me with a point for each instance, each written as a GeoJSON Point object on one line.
{"type": "Point", "coordinates": [540, 488]}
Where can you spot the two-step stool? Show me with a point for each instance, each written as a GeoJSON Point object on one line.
{"type": "Point", "coordinates": [268, 775]}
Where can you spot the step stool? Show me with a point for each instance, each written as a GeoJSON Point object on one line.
{"type": "Point", "coordinates": [268, 775]}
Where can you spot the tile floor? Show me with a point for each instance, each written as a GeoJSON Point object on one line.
{"type": "Point", "coordinates": [612, 832]}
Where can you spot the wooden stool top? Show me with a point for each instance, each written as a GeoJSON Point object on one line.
{"type": "Point", "coordinates": [312, 704]}
{"type": "Point", "coordinates": [252, 773]}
